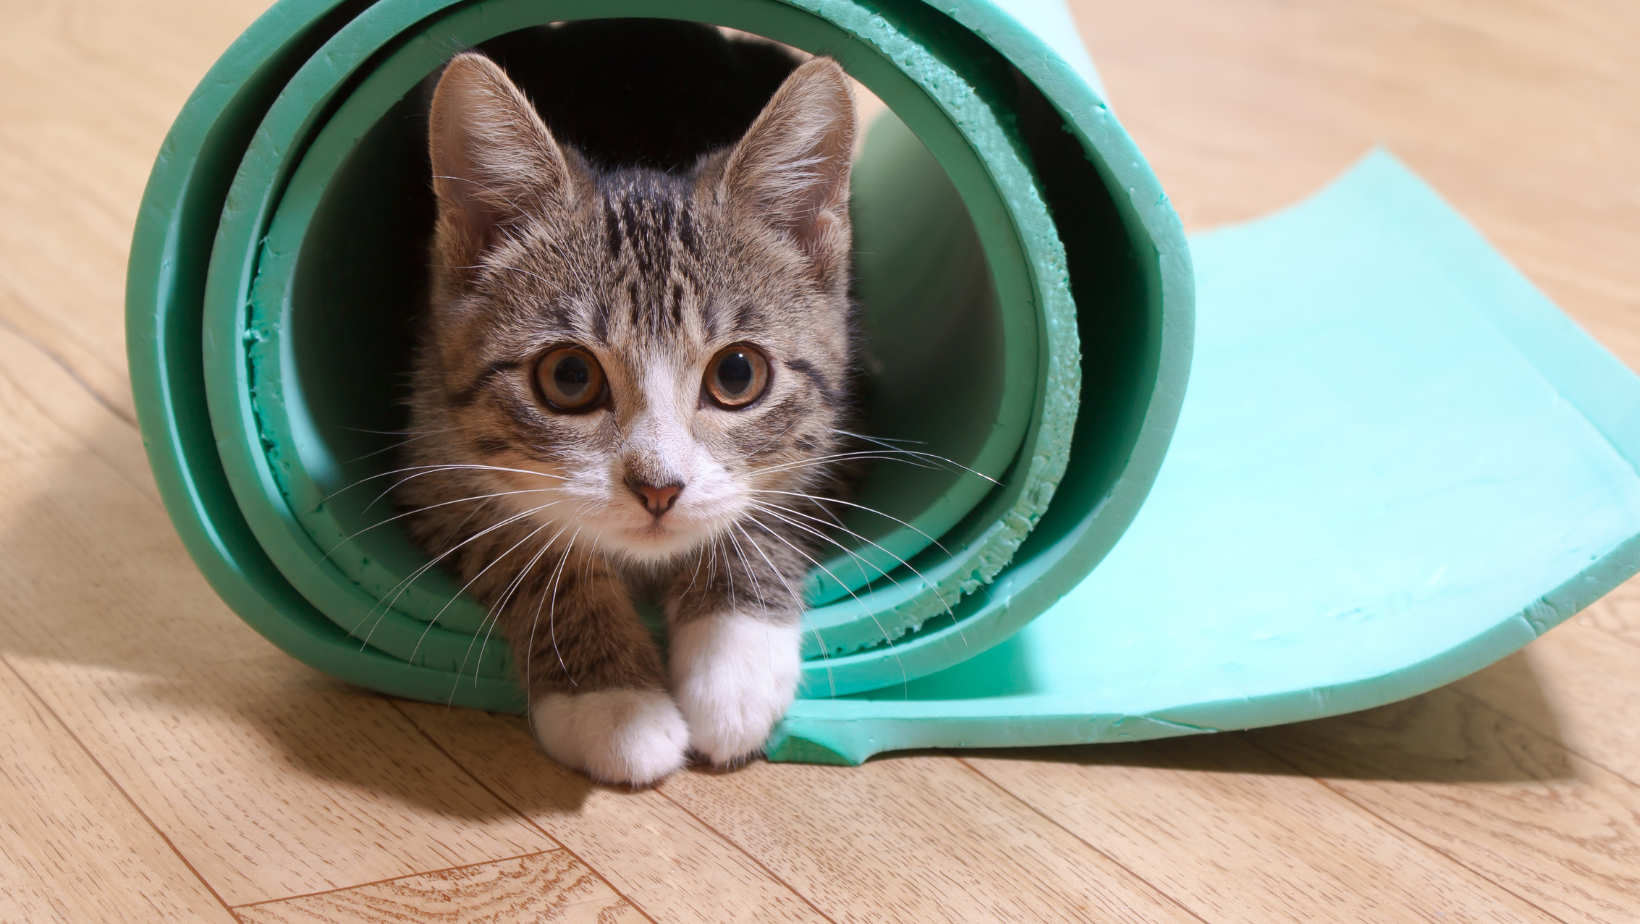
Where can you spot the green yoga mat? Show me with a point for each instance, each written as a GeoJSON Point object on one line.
{"type": "Point", "coordinates": [1396, 464]}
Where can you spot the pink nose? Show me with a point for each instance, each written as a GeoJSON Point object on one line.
{"type": "Point", "coordinates": [658, 500]}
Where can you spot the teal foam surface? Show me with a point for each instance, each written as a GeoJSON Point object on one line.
{"type": "Point", "coordinates": [1397, 462]}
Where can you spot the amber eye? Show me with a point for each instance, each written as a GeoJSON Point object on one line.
{"type": "Point", "coordinates": [736, 376]}
{"type": "Point", "coordinates": [570, 379]}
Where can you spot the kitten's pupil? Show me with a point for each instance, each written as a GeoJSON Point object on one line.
{"type": "Point", "coordinates": [735, 374]}
{"type": "Point", "coordinates": [572, 376]}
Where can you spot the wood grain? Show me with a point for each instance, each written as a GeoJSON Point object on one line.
{"type": "Point", "coordinates": [1490, 794]}
{"type": "Point", "coordinates": [843, 836]}
{"type": "Point", "coordinates": [1231, 834]}
{"type": "Point", "coordinates": [1525, 115]}
{"type": "Point", "coordinates": [269, 779]}
{"type": "Point", "coordinates": [1575, 686]}
{"type": "Point", "coordinates": [90, 88]}
{"type": "Point", "coordinates": [544, 887]}
{"type": "Point", "coordinates": [72, 847]}
{"type": "Point", "coordinates": [664, 860]}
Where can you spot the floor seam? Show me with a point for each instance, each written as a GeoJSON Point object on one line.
{"type": "Point", "coordinates": [1079, 839]}
{"type": "Point", "coordinates": [524, 816]}
{"type": "Point", "coordinates": [361, 885]}
{"type": "Point", "coordinates": [1404, 832]}
{"type": "Point", "coordinates": [1530, 730]}
{"type": "Point", "coordinates": [61, 363]}
{"type": "Point", "coordinates": [68, 730]}
{"type": "Point", "coordinates": [747, 854]}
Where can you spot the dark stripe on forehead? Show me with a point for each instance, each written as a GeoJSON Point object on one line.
{"type": "Point", "coordinates": [612, 226]}
{"type": "Point", "coordinates": [766, 433]}
{"type": "Point", "coordinates": [667, 207]}
{"type": "Point", "coordinates": [600, 320]}
{"type": "Point", "coordinates": [709, 318]}
{"type": "Point", "coordinates": [748, 317]}
{"type": "Point", "coordinates": [815, 377]}
{"type": "Point", "coordinates": [554, 313]}
{"type": "Point", "coordinates": [686, 232]}
{"type": "Point", "coordinates": [480, 382]}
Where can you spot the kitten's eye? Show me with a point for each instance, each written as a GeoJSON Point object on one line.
{"type": "Point", "coordinates": [737, 376]}
{"type": "Point", "coordinates": [570, 379]}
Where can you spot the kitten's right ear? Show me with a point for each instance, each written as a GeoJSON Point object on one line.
{"type": "Point", "coordinates": [493, 158]}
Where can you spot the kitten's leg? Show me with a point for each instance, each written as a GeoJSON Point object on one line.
{"type": "Point", "coordinates": [598, 699]}
{"type": "Point", "coordinates": [734, 653]}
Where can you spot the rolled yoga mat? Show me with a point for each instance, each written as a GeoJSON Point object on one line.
{"type": "Point", "coordinates": [1397, 462]}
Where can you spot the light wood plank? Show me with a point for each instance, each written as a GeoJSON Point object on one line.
{"type": "Point", "coordinates": [1618, 614]}
{"type": "Point", "coordinates": [271, 780]}
{"type": "Point", "coordinates": [915, 839]}
{"type": "Point", "coordinates": [1230, 833]}
{"type": "Point", "coordinates": [48, 390]}
{"type": "Point", "coordinates": [90, 88]}
{"type": "Point", "coordinates": [544, 887]}
{"type": "Point", "coordinates": [1525, 115]}
{"type": "Point", "coordinates": [1577, 686]}
{"type": "Point", "coordinates": [666, 862]}
{"type": "Point", "coordinates": [72, 847]}
{"type": "Point", "coordinates": [1488, 793]}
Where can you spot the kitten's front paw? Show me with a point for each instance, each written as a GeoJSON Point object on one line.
{"type": "Point", "coordinates": [734, 677]}
{"type": "Point", "coordinates": [635, 737]}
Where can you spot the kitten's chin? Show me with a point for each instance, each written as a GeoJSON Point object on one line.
{"type": "Point", "coordinates": [650, 544]}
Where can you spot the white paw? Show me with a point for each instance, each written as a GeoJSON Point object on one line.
{"type": "Point", "coordinates": [614, 736]}
{"type": "Point", "coordinates": [733, 677]}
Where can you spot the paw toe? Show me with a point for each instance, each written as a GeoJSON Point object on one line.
{"type": "Point", "coordinates": [636, 737]}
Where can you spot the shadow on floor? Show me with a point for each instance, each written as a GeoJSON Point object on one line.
{"type": "Point", "coordinates": [1447, 735]}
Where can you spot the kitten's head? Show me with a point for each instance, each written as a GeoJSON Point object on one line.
{"type": "Point", "coordinates": [644, 357]}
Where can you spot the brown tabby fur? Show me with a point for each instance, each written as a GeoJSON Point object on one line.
{"type": "Point", "coordinates": [537, 248]}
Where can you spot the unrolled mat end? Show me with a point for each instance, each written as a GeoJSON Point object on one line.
{"type": "Point", "coordinates": [1398, 462]}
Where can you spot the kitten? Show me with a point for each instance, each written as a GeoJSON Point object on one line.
{"type": "Point", "coordinates": [632, 382]}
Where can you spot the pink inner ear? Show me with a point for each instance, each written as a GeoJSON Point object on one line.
{"type": "Point", "coordinates": [793, 164]}
{"type": "Point", "coordinates": [490, 151]}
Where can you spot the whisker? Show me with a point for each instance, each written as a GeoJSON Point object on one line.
{"type": "Point", "coordinates": [825, 656]}
{"type": "Point", "coordinates": [833, 500]}
{"type": "Point", "coordinates": [496, 613]}
{"type": "Point", "coordinates": [895, 452]}
{"type": "Point", "coordinates": [461, 500]}
{"type": "Point", "coordinates": [404, 584]}
{"type": "Point", "coordinates": [881, 440]}
{"type": "Point", "coordinates": [400, 443]}
{"type": "Point", "coordinates": [435, 469]}
{"type": "Point", "coordinates": [429, 469]}
{"type": "Point", "coordinates": [493, 562]}
{"type": "Point", "coordinates": [905, 679]}
{"type": "Point", "coordinates": [552, 610]}
{"type": "Point", "coordinates": [929, 584]}
{"type": "Point", "coordinates": [756, 585]}
{"type": "Point", "coordinates": [863, 564]}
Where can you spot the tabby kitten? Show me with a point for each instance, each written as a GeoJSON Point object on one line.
{"type": "Point", "coordinates": [632, 382]}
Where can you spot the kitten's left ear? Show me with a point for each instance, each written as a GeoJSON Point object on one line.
{"type": "Point", "coordinates": [791, 170]}
{"type": "Point", "coordinates": [493, 158]}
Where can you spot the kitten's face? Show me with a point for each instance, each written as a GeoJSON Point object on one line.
{"type": "Point", "coordinates": [646, 360]}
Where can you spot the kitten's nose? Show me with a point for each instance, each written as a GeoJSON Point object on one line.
{"type": "Point", "coordinates": [658, 499]}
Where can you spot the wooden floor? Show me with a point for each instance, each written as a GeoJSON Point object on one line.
{"type": "Point", "coordinates": [159, 761]}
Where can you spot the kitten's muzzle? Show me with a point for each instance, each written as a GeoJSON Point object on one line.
{"type": "Point", "coordinates": [658, 499]}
